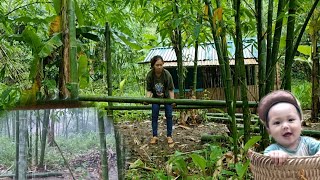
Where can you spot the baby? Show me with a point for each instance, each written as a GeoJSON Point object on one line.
{"type": "Point", "coordinates": [281, 114]}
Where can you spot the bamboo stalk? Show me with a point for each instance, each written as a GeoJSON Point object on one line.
{"type": "Point", "coordinates": [264, 54]}
{"type": "Point", "coordinates": [289, 45]}
{"type": "Point", "coordinates": [270, 76]}
{"type": "Point", "coordinates": [74, 88]}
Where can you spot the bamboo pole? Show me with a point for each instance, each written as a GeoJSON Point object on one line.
{"type": "Point", "coordinates": [148, 107]}
{"type": "Point", "coordinates": [54, 104]}
{"type": "Point", "coordinates": [212, 103]}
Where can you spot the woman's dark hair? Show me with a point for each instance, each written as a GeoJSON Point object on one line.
{"type": "Point", "coordinates": [155, 59]}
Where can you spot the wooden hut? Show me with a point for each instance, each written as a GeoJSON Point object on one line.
{"type": "Point", "coordinates": [209, 82]}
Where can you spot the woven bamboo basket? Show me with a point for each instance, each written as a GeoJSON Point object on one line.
{"type": "Point", "coordinates": [301, 168]}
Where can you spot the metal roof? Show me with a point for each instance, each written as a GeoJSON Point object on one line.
{"type": "Point", "coordinates": [207, 54]}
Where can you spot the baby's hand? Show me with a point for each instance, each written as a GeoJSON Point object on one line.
{"type": "Point", "coordinates": [278, 157]}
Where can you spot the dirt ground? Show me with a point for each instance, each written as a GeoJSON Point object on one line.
{"type": "Point", "coordinates": [137, 136]}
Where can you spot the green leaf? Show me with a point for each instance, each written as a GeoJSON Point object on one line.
{"type": "Point", "coordinates": [242, 169]}
{"type": "Point", "coordinates": [251, 142]}
{"type": "Point", "coordinates": [34, 68]}
{"type": "Point", "coordinates": [57, 6]}
{"type": "Point", "coordinates": [181, 165]}
{"type": "Point", "coordinates": [199, 161]}
{"type": "Point", "coordinates": [50, 46]}
{"type": "Point", "coordinates": [176, 23]}
{"type": "Point", "coordinates": [31, 38]}
{"type": "Point", "coordinates": [304, 49]}
{"type": "Point", "coordinates": [35, 20]}
{"type": "Point", "coordinates": [78, 13]}
{"type": "Point", "coordinates": [196, 31]}
{"type": "Point", "coordinates": [121, 86]}
{"type": "Point", "coordinates": [215, 154]}
{"type": "Point", "coordinates": [9, 98]}
{"type": "Point", "coordinates": [127, 40]}
{"type": "Point", "coordinates": [136, 164]}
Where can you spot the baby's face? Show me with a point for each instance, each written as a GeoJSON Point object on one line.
{"type": "Point", "coordinates": [285, 125]}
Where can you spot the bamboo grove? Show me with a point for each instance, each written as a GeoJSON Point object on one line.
{"type": "Point", "coordinates": [74, 28]}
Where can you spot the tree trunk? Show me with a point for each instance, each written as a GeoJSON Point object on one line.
{"type": "Point", "coordinates": [14, 123]}
{"type": "Point", "coordinates": [17, 125]}
{"type": "Point", "coordinates": [64, 70]}
{"type": "Point", "coordinates": [37, 138]}
{"type": "Point", "coordinates": [51, 134]}
{"type": "Point", "coordinates": [22, 169]}
{"type": "Point", "coordinates": [29, 137]}
{"type": "Point", "coordinates": [76, 113]}
{"type": "Point", "coordinates": [8, 124]}
{"type": "Point", "coordinates": [45, 125]}
{"type": "Point", "coordinates": [103, 146]}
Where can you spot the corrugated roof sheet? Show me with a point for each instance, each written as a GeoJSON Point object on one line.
{"type": "Point", "coordinates": [207, 54]}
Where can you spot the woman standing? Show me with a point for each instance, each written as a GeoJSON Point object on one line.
{"type": "Point", "coordinates": [160, 85]}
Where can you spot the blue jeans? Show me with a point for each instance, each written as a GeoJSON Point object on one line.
{"type": "Point", "coordinates": [155, 114]}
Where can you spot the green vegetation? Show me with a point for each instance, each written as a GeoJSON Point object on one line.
{"type": "Point", "coordinates": [302, 90]}
{"type": "Point", "coordinates": [214, 162]}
